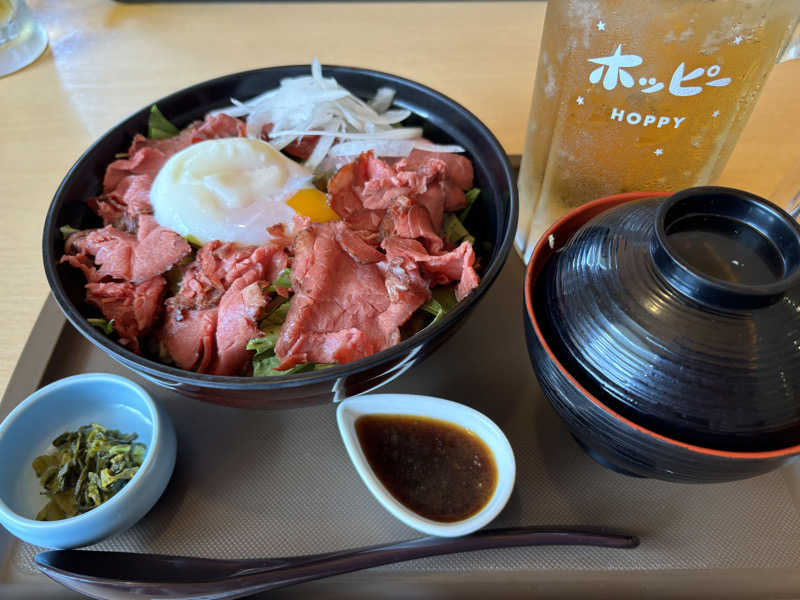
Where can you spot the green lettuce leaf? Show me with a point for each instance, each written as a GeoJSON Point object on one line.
{"type": "Point", "coordinates": [453, 224]}
{"type": "Point", "coordinates": [158, 127]}
{"type": "Point", "coordinates": [455, 231]}
{"type": "Point", "coordinates": [471, 196]}
{"type": "Point", "coordinates": [266, 367]}
{"type": "Point", "coordinates": [67, 230]}
{"type": "Point", "coordinates": [266, 343]}
{"type": "Point", "coordinates": [174, 276]}
{"type": "Point", "coordinates": [443, 300]}
{"type": "Point", "coordinates": [264, 361]}
{"type": "Point", "coordinates": [276, 314]}
{"type": "Point", "coordinates": [103, 325]}
{"type": "Point", "coordinates": [284, 280]}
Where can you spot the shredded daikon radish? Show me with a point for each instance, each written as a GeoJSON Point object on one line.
{"type": "Point", "coordinates": [391, 148]}
{"type": "Point", "coordinates": [314, 105]}
{"type": "Point", "coordinates": [392, 134]}
{"type": "Point", "coordinates": [383, 99]}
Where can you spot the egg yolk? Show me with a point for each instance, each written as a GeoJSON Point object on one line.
{"type": "Point", "coordinates": [313, 204]}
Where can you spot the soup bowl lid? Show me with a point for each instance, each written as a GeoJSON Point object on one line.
{"type": "Point", "coordinates": [682, 313]}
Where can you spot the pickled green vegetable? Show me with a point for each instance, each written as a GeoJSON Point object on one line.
{"type": "Point", "coordinates": [87, 468]}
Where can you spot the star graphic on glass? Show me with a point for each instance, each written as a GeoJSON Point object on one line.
{"type": "Point", "coordinates": [658, 151]}
{"type": "Point", "coordinates": [737, 40]}
{"type": "Point", "coordinates": [715, 113]}
{"type": "Point", "coordinates": [579, 100]}
{"type": "Point", "coordinates": [601, 26]}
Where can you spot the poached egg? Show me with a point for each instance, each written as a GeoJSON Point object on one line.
{"type": "Point", "coordinates": [233, 190]}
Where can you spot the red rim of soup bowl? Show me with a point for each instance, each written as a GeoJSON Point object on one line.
{"type": "Point", "coordinates": [562, 230]}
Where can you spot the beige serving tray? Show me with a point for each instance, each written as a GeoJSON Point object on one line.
{"type": "Point", "coordinates": [271, 483]}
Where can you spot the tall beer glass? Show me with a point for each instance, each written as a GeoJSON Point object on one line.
{"type": "Point", "coordinates": [635, 95]}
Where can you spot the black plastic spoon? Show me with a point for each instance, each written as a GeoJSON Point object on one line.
{"type": "Point", "coordinates": [123, 575]}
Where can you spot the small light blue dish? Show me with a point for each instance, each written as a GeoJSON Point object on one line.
{"type": "Point", "coordinates": [27, 432]}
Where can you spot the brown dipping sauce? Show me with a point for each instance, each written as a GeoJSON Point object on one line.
{"type": "Point", "coordinates": [438, 469]}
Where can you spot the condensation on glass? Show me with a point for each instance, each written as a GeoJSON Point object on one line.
{"type": "Point", "coordinates": [638, 96]}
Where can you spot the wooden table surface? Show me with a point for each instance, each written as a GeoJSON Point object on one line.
{"type": "Point", "coordinates": [108, 59]}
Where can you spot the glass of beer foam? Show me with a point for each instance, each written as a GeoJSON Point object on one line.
{"type": "Point", "coordinates": [638, 95]}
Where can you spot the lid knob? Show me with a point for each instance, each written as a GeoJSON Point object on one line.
{"type": "Point", "coordinates": [726, 248]}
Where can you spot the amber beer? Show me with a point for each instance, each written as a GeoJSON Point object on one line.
{"type": "Point", "coordinates": [635, 95]}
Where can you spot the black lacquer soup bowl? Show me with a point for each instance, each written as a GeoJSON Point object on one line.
{"type": "Point", "coordinates": [492, 221]}
{"type": "Point", "coordinates": [665, 330]}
